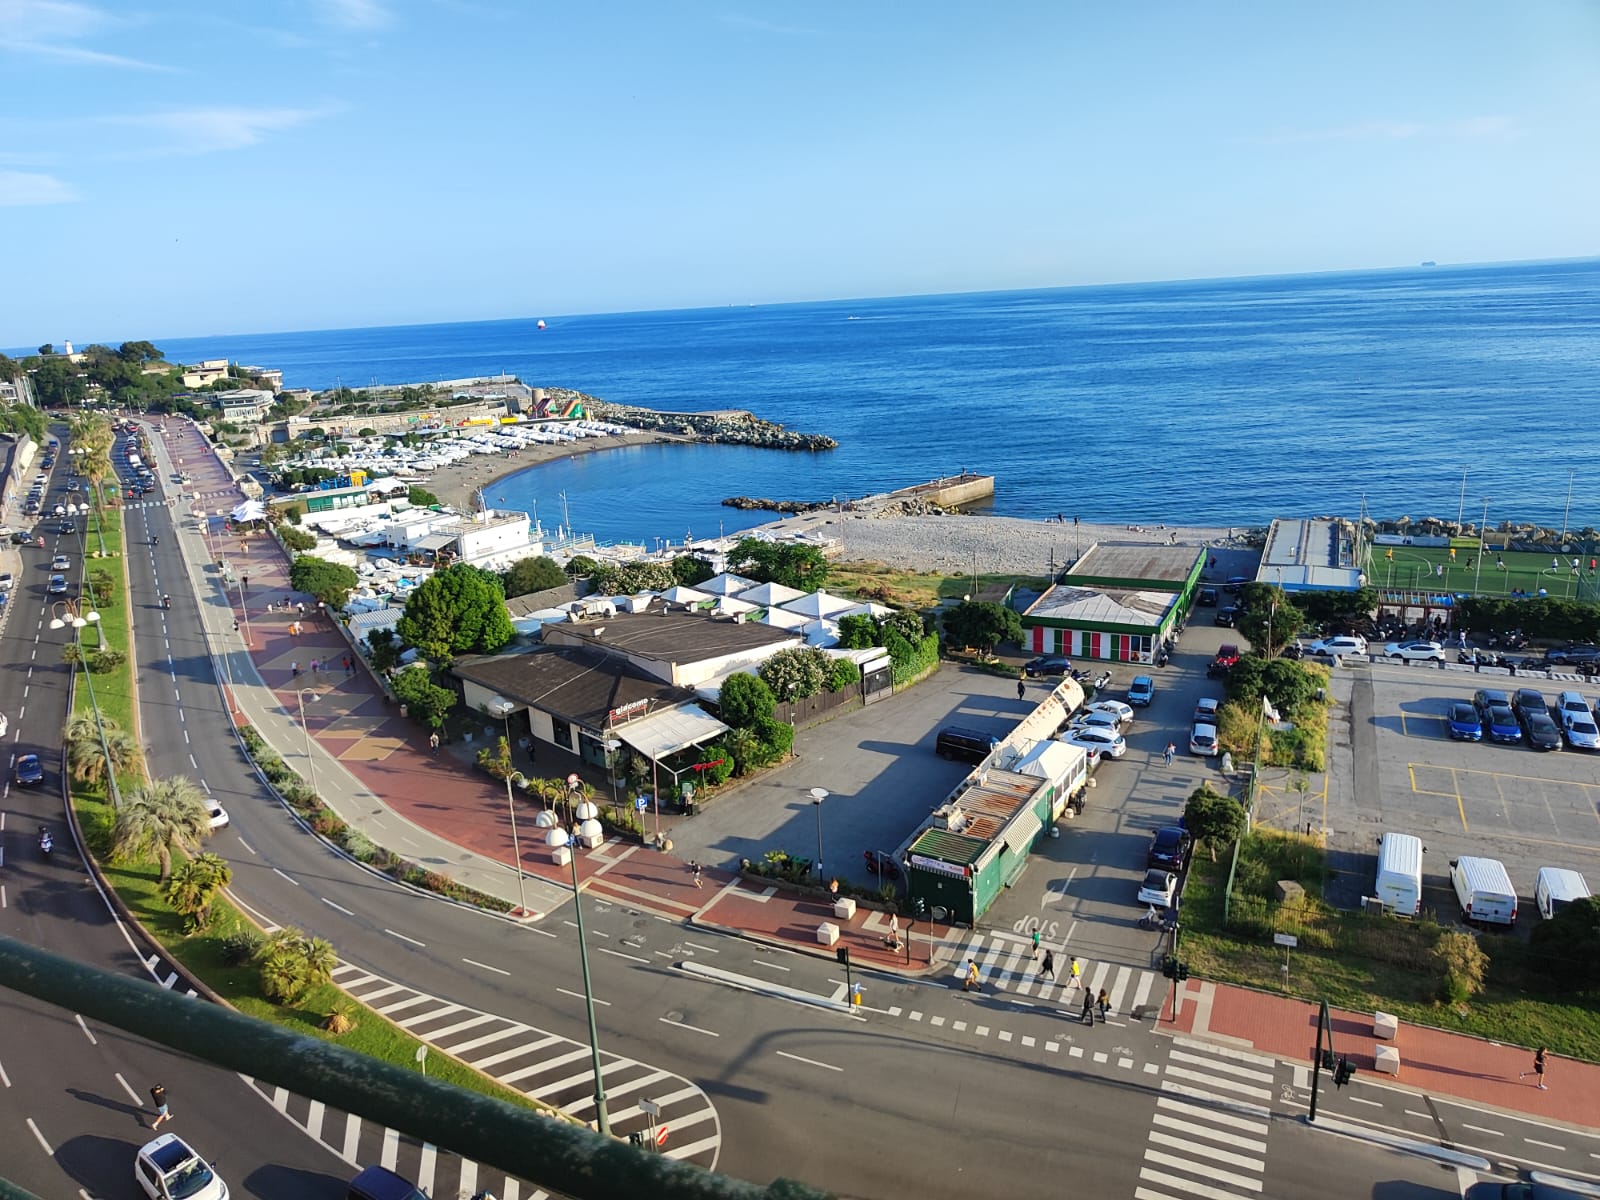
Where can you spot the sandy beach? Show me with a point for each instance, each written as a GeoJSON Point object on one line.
{"type": "Point", "coordinates": [457, 484]}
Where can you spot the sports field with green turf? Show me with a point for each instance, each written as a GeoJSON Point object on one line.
{"type": "Point", "coordinates": [1496, 573]}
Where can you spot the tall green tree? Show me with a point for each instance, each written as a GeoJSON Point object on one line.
{"type": "Point", "coordinates": [195, 884]}
{"type": "Point", "coordinates": [329, 582]}
{"type": "Point", "coordinates": [460, 610]}
{"type": "Point", "coordinates": [980, 623]}
{"type": "Point", "coordinates": [533, 574]}
{"type": "Point", "coordinates": [291, 963]}
{"type": "Point", "coordinates": [787, 563]}
{"type": "Point", "coordinates": [745, 699]}
{"type": "Point", "coordinates": [690, 569]}
{"type": "Point", "coordinates": [86, 757]}
{"type": "Point", "coordinates": [1214, 819]}
{"type": "Point", "coordinates": [1270, 620]}
{"type": "Point", "coordinates": [423, 698]}
{"type": "Point", "coordinates": [159, 817]}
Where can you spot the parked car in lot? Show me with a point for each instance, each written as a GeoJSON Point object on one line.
{"type": "Point", "coordinates": [1227, 657]}
{"type": "Point", "coordinates": [1494, 710]}
{"type": "Point", "coordinates": [1465, 724]}
{"type": "Point", "coordinates": [1573, 702]}
{"type": "Point", "coordinates": [1203, 740]}
{"type": "Point", "coordinates": [6, 581]}
{"type": "Point", "coordinates": [1169, 849]}
{"type": "Point", "coordinates": [1227, 616]}
{"type": "Point", "coordinates": [1205, 710]}
{"type": "Point", "coordinates": [1106, 741]}
{"type": "Point", "coordinates": [1338, 647]}
{"type": "Point", "coordinates": [1525, 701]}
{"type": "Point", "coordinates": [1206, 596]}
{"type": "Point", "coordinates": [1415, 651]}
{"type": "Point", "coordinates": [1049, 664]}
{"type": "Point", "coordinates": [1541, 731]}
{"type": "Point", "coordinates": [1235, 584]}
{"type": "Point", "coordinates": [1112, 708]}
{"type": "Point", "coordinates": [1087, 719]}
{"type": "Point", "coordinates": [1157, 888]}
{"type": "Point", "coordinates": [1141, 691]}
{"type": "Point", "coordinates": [1580, 731]}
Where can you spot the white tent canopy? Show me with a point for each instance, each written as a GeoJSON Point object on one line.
{"type": "Point", "coordinates": [670, 730]}
{"type": "Point", "coordinates": [250, 510]}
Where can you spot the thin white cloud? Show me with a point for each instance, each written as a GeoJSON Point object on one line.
{"type": "Point", "coordinates": [208, 130]}
{"type": "Point", "coordinates": [51, 29]}
{"type": "Point", "coordinates": [759, 25]}
{"type": "Point", "coordinates": [1393, 131]}
{"type": "Point", "coordinates": [21, 188]}
{"type": "Point", "coordinates": [354, 14]}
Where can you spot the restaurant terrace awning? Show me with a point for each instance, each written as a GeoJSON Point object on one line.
{"type": "Point", "coordinates": [673, 729]}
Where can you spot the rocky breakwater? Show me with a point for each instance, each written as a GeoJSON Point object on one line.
{"type": "Point", "coordinates": [729, 427]}
{"type": "Point", "coordinates": [778, 506]}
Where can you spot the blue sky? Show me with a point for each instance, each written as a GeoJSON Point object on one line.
{"type": "Point", "coordinates": [172, 168]}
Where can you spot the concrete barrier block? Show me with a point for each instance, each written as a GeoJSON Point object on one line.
{"type": "Point", "coordinates": [561, 855]}
{"type": "Point", "coordinates": [827, 933]}
{"type": "Point", "coordinates": [1385, 1025]}
{"type": "Point", "coordinates": [844, 908]}
{"type": "Point", "coordinates": [1388, 1060]}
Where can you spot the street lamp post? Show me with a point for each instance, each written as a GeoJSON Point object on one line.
{"type": "Point", "coordinates": [1483, 544]}
{"type": "Point", "coordinates": [517, 777]}
{"type": "Point", "coordinates": [65, 613]}
{"type": "Point", "coordinates": [818, 795]}
{"type": "Point", "coordinates": [558, 837]}
{"type": "Point", "coordinates": [311, 763]}
{"type": "Point", "coordinates": [612, 745]}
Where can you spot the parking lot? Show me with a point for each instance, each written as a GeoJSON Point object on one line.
{"type": "Point", "coordinates": [1401, 772]}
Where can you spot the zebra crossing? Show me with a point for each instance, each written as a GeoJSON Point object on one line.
{"type": "Point", "coordinates": [362, 1143]}
{"type": "Point", "coordinates": [1208, 1137]}
{"type": "Point", "coordinates": [1007, 964]}
{"type": "Point", "coordinates": [551, 1068]}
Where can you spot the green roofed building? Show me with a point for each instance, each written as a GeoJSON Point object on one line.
{"type": "Point", "coordinates": [1118, 602]}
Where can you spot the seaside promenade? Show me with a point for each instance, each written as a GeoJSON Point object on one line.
{"type": "Point", "coordinates": [375, 769]}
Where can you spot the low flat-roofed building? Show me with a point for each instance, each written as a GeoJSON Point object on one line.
{"type": "Point", "coordinates": [680, 648]}
{"type": "Point", "coordinates": [1120, 601]}
{"type": "Point", "coordinates": [1316, 554]}
{"type": "Point", "coordinates": [245, 406]}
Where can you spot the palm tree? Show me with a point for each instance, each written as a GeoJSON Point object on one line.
{"type": "Point", "coordinates": [158, 817]}
{"type": "Point", "coordinates": [86, 757]}
{"type": "Point", "coordinates": [195, 884]}
{"type": "Point", "coordinates": [292, 963]}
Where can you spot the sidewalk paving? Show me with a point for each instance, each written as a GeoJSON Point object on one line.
{"type": "Point", "coordinates": [375, 770]}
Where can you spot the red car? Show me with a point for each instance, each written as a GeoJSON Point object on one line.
{"type": "Point", "coordinates": [1227, 658]}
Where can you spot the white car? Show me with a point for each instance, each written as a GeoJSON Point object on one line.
{"type": "Point", "coordinates": [61, 563]}
{"type": "Point", "coordinates": [1203, 740]}
{"type": "Point", "coordinates": [215, 813]}
{"type": "Point", "coordinates": [1157, 888]}
{"type": "Point", "coordinates": [1579, 728]}
{"type": "Point", "coordinates": [167, 1169]}
{"type": "Point", "coordinates": [1095, 720]}
{"type": "Point", "coordinates": [1116, 708]}
{"type": "Point", "coordinates": [1338, 647]}
{"type": "Point", "coordinates": [1205, 710]}
{"type": "Point", "coordinates": [1106, 741]}
{"type": "Point", "coordinates": [1415, 651]}
{"type": "Point", "coordinates": [6, 581]}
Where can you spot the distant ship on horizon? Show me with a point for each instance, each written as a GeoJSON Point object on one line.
{"type": "Point", "coordinates": [1428, 263]}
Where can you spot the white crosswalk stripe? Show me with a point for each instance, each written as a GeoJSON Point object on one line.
{"type": "Point", "coordinates": [1208, 1135]}
{"type": "Point", "coordinates": [1007, 964]}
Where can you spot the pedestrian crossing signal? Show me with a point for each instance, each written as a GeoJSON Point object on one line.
{"type": "Point", "coordinates": [1328, 1060]}
{"type": "Point", "coordinates": [842, 953]}
{"type": "Point", "coordinates": [1169, 967]}
{"type": "Point", "coordinates": [1183, 971]}
{"type": "Point", "coordinates": [1344, 1073]}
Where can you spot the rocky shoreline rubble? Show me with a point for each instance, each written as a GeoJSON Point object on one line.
{"type": "Point", "coordinates": [728, 427]}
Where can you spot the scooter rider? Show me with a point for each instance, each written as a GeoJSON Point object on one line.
{"type": "Point", "coordinates": [166, 601]}
{"type": "Point", "coordinates": [46, 843]}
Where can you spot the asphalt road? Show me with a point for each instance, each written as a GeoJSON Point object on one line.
{"type": "Point", "coordinates": [75, 1097]}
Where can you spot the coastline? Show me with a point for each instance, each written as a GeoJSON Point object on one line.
{"type": "Point", "coordinates": [953, 544]}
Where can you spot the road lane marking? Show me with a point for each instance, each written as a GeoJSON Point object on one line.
{"type": "Point", "coordinates": [581, 996]}
{"type": "Point", "coordinates": [1544, 1145]}
{"type": "Point", "coordinates": [686, 1025]}
{"type": "Point", "coordinates": [707, 949]}
{"type": "Point", "coordinates": [1491, 1132]}
{"type": "Point", "coordinates": [1360, 1100]}
{"type": "Point", "coordinates": [339, 907]}
{"type": "Point", "coordinates": [78, 1017]}
{"type": "Point", "coordinates": [242, 842]}
{"type": "Point", "coordinates": [404, 938]}
{"type": "Point", "coordinates": [761, 962]}
{"type": "Point", "coordinates": [279, 873]}
{"type": "Point", "coordinates": [48, 1149]}
{"type": "Point", "coordinates": [809, 1061]}
{"type": "Point", "coordinates": [620, 954]}
{"type": "Point", "coordinates": [132, 1095]}
{"type": "Point", "coordinates": [485, 966]}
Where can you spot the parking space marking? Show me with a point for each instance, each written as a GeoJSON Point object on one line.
{"type": "Point", "coordinates": [1509, 794]}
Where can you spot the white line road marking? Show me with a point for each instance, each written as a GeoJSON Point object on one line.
{"type": "Point", "coordinates": [48, 1149]}
{"type": "Point", "coordinates": [247, 845]}
{"type": "Point", "coordinates": [620, 954]}
{"type": "Point", "coordinates": [761, 962]}
{"type": "Point", "coordinates": [811, 1062]}
{"type": "Point", "coordinates": [281, 875]}
{"type": "Point", "coordinates": [339, 907]}
{"type": "Point", "coordinates": [472, 962]}
{"type": "Point", "coordinates": [580, 996]}
{"type": "Point", "coordinates": [1411, 1112]}
{"type": "Point", "coordinates": [683, 1025]}
{"type": "Point", "coordinates": [707, 949]}
{"type": "Point", "coordinates": [1496, 1133]}
{"type": "Point", "coordinates": [1359, 1100]}
{"type": "Point", "coordinates": [85, 1029]}
{"type": "Point", "coordinates": [132, 1095]}
{"type": "Point", "coordinates": [404, 938]}
{"type": "Point", "coordinates": [1545, 1145]}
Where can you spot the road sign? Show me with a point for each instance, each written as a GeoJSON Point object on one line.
{"type": "Point", "coordinates": [1285, 939]}
{"type": "Point", "coordinates": [640, 803]}
{"type": "Point", "coordinates": [661, 1136]}
{"type": "Point", "coordinates": [649, 1108]}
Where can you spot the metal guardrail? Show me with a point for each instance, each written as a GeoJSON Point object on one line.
{"type": "Point", "coordinates": [567, 1159]}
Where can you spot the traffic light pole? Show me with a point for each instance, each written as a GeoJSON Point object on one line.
{"type": "Point", "coordinates": [1324, 1059]}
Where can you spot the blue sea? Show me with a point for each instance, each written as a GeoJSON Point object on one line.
{"type": "Point", "coordinates": [1218, 401]}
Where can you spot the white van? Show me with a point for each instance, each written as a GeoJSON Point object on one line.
{"type": "Point", "coordinates": [1558, 887]}
{"type": "Point", "coordinates": [1484, 890]}
{"type": "Point", "coordinates": [1399, 883]}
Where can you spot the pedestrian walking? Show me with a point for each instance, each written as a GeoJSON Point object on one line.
{"type": "Point", "coordinates": [349, 667]}
{"type": "Point", "coordinates": [302, 608]}
{"type": "Point", "coordinates": [971, 980]}
{"type": "Point", "coordinates": [1036, 943]}
{"type": "Point", "coordinates": [236, 624]}
{"type": "Point", "coordinates": [433, 742]}
{"type": "Point", "coordinates": [1538, 1069]}
{"type": "Point", "coordinates": [1103, 1003]}
{"type": "Point", "coordinates": [244, 583]}
{"type": "Point", "coordinates": [1048, 970]}
{"type": "Point", "coordinates": [1086, 1014]}
{"type": "Point", "coordinates": [294, 670]}
{"type": "Point", "coordinates": [1166, 755]}
{"type": "Point", "coordinates": [1022, 686]}
{"type": "Point", "coordinates": [158, 1096]}
{"type": "Point", "coordinates": [1076, 973]}
{"type": "Point", "coordinates": [314, 665]}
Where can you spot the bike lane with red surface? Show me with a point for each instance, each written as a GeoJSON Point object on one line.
{"type": "Point", "coordinates": [1432, 1061]}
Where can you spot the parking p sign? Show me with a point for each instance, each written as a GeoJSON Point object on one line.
{"type": "Point", "coordinates": [640, 803]}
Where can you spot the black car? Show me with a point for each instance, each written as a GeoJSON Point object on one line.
{"type": "Point", "coordinates": [1541, 731]}
{"type": "Point", "coordinates": [1049, 664]}
{"type": "Point", "coordinates": [1528, 701]}
{"type": "Point", "coordinates": [1207, 597]}
{"type": "Point", "coordinates": [1226, 616]}
{"type": "Point", "coordinates": [1235, 584]}
{"type": "Point", "coordinates": [1170, 849]}
{"type": "Point", "coordinates": [30, 772]}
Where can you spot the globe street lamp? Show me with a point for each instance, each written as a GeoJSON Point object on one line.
{"type": "Point", "coordinates": [558, 839]}
{"type": "Point", "coordinates": [65, 613]}
{"type": "Point", "coordinates": [818, 795]}
{"type": "Point", "coordinates": [521, 780]}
